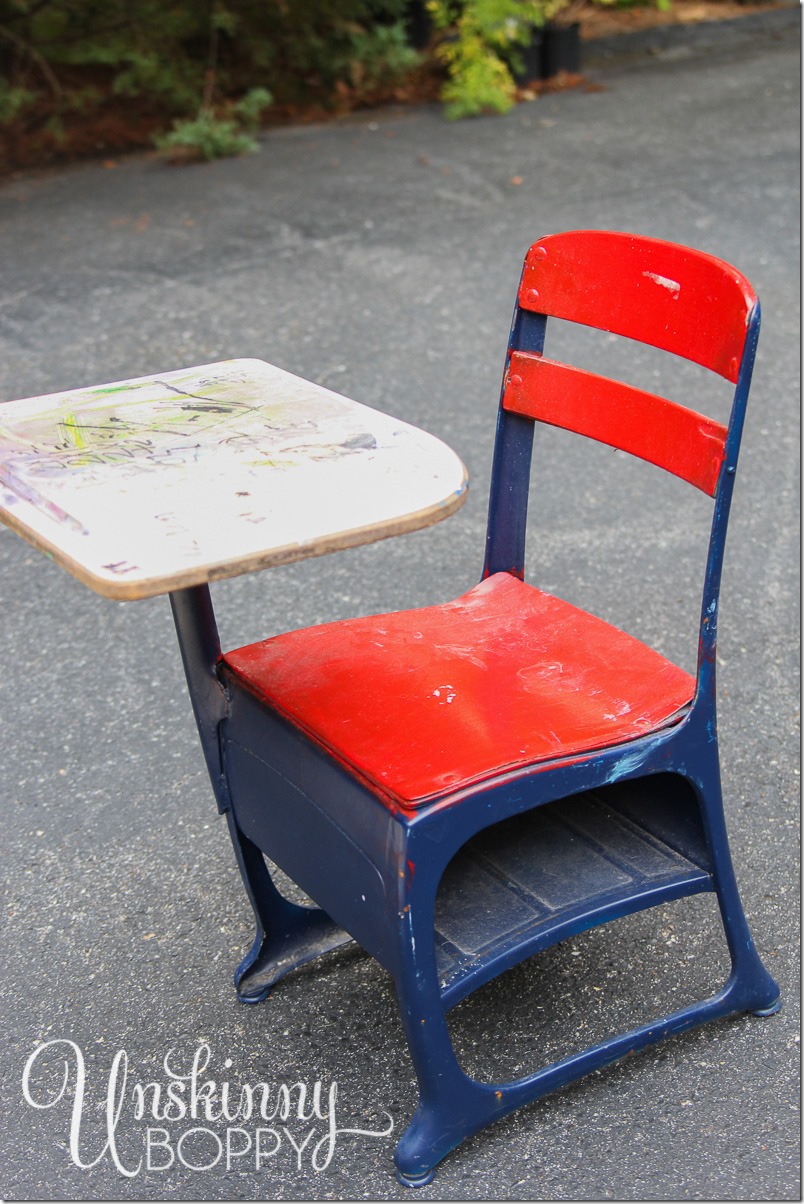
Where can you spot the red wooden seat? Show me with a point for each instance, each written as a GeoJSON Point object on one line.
{"type": "Point", "coordinates": [424, 702]}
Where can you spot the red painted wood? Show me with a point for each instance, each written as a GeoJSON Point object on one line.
{"type": "Point", "coordinates": [683, 301]}
{"type": "Point", "coordinates": [426, 701]}
{"type": "Point", "coordinates": [660, 431]}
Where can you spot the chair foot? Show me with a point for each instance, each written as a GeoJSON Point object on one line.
{"type": "Point", "coordinates": [307, 933]}
{"type": "Point", "coordinates": [426, 1140]}
{"type": "Point", "coordinates": [753, 990]}
{"type": "Point", "coordinates": [437, 1128]}
{"type": "Point", "coordinates": [770, 1010]}
{"type": "Point", "coordinates": [416, 1180]}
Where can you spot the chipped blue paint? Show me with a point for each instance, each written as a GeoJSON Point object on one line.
{"type": "Point", "coordinates": [628, 765]}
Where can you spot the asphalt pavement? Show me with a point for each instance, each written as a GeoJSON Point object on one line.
{"type": "Point", "coordinates": [379, 255]}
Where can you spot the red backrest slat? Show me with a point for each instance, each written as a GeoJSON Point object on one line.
{"type": "Point", "coordinates": [673, 298]}
{"type": "Point", "coordinates": [650, 427]}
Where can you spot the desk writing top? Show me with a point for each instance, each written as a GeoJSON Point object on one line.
{"type": "Point", "coordinates": [162, 482]}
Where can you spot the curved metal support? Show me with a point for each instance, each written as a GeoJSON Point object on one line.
{"type": "Point", "coordinates": [200, 647]}
{"type": "Point", "coordinates": [751, 988]}
{"type": "Point", "coordinates": [288, 935]}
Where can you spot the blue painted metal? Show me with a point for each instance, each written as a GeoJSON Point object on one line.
{"type": "Point", "coordinates": [287, 935]}
{"type": "Point", "coordinates": [395, 880]}
{"type": "Point", "coordinates": [510, 474]}
{"type": "Point", "coordinates": [200, 647]}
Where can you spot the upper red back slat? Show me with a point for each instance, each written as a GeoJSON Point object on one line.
{"type": "Point", "coordinates": [682, 301]}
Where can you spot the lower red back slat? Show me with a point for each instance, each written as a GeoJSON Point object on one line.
{"type": "Point", "coordinates": [683, 442]}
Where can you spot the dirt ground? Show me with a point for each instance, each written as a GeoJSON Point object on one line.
{"type": "Point", "coordinates": [599, 21]}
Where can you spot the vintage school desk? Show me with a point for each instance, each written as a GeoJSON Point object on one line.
{"type": "Point", "coordinates": [459, 786]}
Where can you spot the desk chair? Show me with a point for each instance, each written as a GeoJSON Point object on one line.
{"type": "Point", "coordinates": [462, 786]}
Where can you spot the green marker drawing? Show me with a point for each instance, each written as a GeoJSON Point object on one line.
{"type": "Point", "coordinates": [73, 430]}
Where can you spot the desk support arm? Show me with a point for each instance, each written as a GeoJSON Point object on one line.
{"type": "Point", "coordinates": [200, 648]}
{"type": "Point", "coordinates": [287, 934]}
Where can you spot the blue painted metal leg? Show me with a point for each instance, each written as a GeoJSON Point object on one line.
{"type": "Point", "coordinates": [288, 935]}
{"type": "Point", "coordinates": [451, 1105]}
{"type": "Point", "coordinates": [750, 988]}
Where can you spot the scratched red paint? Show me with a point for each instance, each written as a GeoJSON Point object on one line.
{"type": "Point", "coordinates": [424, 702]}
{"type": "Point", "coordinates": [683, 301]}
{"type": "Point", "coordinates": [664, 433]}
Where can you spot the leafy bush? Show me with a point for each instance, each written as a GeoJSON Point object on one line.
{"type": "Point", "coordinates": [142, 46]}
{"type": "Point", "coordinates": [373, 57]}
{"type": "Point", "coordinates": [480, 37]}
{"type": "Point", "coordinates": [206, 137]}
{"type": "Point", "coordinates": [213, 136]}
{"type": "Point", "coordinates": [480, 44]}
{"type": "Point", "coordinates": [13, 101]}
{"type": "Point", "coordinates": [186, 58]}
{"type": "Point", "coordinates": [479, 82]}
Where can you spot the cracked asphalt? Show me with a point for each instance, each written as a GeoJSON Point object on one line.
{"type": "Point", "coordinates": [379, 255]}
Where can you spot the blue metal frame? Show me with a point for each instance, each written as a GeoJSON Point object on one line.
{"type": "Point", "coordinates": [375, 872]}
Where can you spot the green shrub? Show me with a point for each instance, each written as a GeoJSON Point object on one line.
{"type": "Point", "coordinates": [212, 136]}
{"type": "Point", "coordinates": [143, 45]}
{"type": "Point", "coordinates": [206, 137]}
{"type": "Point", "coordinates": [376, 58]}
{"type": "Point", "coordinates": [479, 82]}
{"type": "Point", "coordinates": [13, 101]}
{"type": "Point", "coordinates": [176, 53]}
{"type": "Point", "coordinates": [480, 36]}
{"type": "Point", "coordinates": [250, 108]}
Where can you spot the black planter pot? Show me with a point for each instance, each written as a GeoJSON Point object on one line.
{"type": "Point", "coordinates": [418, 24]}
{"type": "Point", "coordinates": [561, 49]}
{"type": "Point", "coordinates": [529, 61]}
